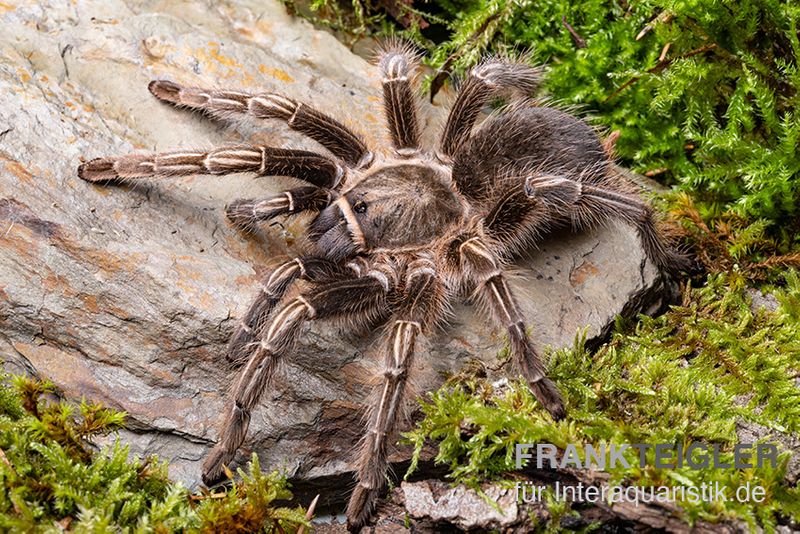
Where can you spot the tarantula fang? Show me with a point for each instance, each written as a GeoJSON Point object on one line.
{"type": "Point", "coordinates": [396, 236]}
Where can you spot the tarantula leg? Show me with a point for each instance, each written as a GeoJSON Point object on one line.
{"type": "Point", "coordinates": [396, 64]}
{"type": "Point", "coordinates": [480, 264]}
{"type": "Point", "coordinates": [342, 143]}
{"type": "Point", "coordinates": [358, 298]}
{"type": "Point", "coordinates": [263, 160]}
{"type": "Point", "coordinates": [246, 213]}
{"type": "Point", "coordinates": [422, 298]}
{"type": "Point", "coordinates": [273, 288]}
{"type": "Point", "coordinates": [588, 204]}
{"type": "Point", "coordinates": [487, 80]}
{"type": "Point", "coordinates": [515, 222]}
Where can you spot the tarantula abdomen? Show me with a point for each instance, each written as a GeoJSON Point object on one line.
{"type": "Point", "coordinates": [524, 140]}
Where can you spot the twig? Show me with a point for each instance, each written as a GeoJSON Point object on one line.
{"type": "Point", "coordinates": [662, 17]}
{"type": "Point", "coordinates": [655, 172]}
{"type": "Point", "coordinates": [209, 496]}
{"type": "Point", "coordinates": [309, 514]}
{"type": "Point", "coordinates": [579, 41]}
{"type": "Point", "coordinates": [664, 51]}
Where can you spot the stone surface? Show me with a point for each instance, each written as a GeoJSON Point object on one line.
{"type": "Point", "coordinates": [128, 295]}
{"type": "Point", "coordinates": [461, 506]}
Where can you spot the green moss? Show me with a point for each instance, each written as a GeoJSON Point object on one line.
{"type": "Point", "coordinates": [687, 376]}
{"type": "Point", "coordinates": [51, 477]}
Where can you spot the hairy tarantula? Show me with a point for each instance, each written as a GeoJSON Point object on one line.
{"type": "Point", "coordinates": [397, 236]}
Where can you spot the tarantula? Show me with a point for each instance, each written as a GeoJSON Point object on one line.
{"type": "Point", "coordinates": [397, 236]}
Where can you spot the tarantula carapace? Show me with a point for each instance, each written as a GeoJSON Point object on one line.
{"type": "Point", "coordinates": [397, 236]}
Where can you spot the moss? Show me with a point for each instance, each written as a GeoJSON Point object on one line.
{"type": "Point", "coordinates": [687, 376]}
{"type": "Point", "coordinates": [52, 478]}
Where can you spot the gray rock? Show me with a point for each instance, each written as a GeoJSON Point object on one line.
{"type": "Point", "coordinates": [759, 300]}
{"type": "Point", "coordinates": [128, 295]}
{"type": "Point", "coordinates": [461, 506]}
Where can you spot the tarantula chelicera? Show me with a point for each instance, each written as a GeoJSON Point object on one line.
{"type": "Point", "coordinates": [397, 236]}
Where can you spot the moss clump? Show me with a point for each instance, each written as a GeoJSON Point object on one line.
{"type": "Point", "coordinates": [52, 479]}
{"type": "Point", "coordinates": [687, 376]}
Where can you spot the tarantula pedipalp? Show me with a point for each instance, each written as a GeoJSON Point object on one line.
{"type": "Point", "coordinates": [396, 237]}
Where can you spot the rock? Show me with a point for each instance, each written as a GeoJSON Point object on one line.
{"type": "Point", "coordinates": [432, 506]}
{"type": "Point", "coordinates": [127, 295]}
{"type": "Point", "coordinates": [759, 299]}
{"type": "Point", "coordinates": [461, 506]}
{"type": "Point", "coordinates": [751, 432]}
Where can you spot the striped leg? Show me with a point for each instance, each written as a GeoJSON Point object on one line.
{"type": "Point", "coordinates": [516, 222]}
{"type": "Point", "coordinates": [245, 214]}
{"type": "Point", "coordinates": [477, 261]}
{"type": "Point", "coordinates": [423, 300]}
{"type": "Point", "coordinates": [588, 205]}
{"type": "Point", "coordinates": [396, 64]}
{"type": "Point", "coordinates": [334, 136]}
{"type": "Point", "coordinates": [351, 297]}
{"type": "Point", "coordinates": [273, 289]}
{"type": "Point", "coordinates": [263, 160]}
{"type": "Point", "coordinates": [485, 81]}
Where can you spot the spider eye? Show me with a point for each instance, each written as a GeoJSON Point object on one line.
{"type": "Point", "coordinates": [360, 206]}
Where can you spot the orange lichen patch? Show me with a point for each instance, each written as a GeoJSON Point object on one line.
{"type": "Point", "coordinates": [6, 7]}
{"type": "Point", "coordinates": [212, 59]}
{"type": "Point", "coordinates": [579, 275]}
{"type": "Point", "coordinates": [69, 104]}
{"type": "Point", "coordinates": [24, 77]}
{"type": "Point", "coordinates": [278, 74]}
{"type": "Point", "coordinates": [88, 108]}
{"type": "Point", "coordinates": [16, 168]}
{"type": "Point", "coordinates": [16, 237]}
{"type": "Point", "coordinates": [222, 59]}
{"type": "Point", "coordinates": [90, 303]}
{"type": "Point", "coordinates": [371, 118]}
{"type": "Point", "coordinates": [52, 283]}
